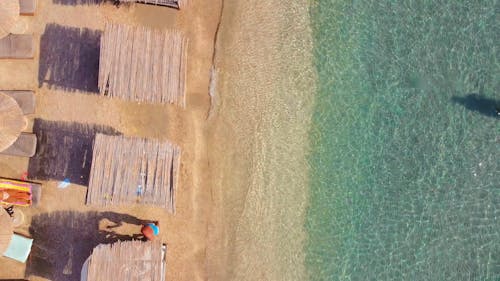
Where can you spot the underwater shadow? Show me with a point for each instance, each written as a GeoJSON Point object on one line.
{"type": "Point", "coordinates": [69, 58]}
{"type": "Point", "coordinates": [64, 150]}
{"type": "Point", "coordinates": [63, 240]}
{"type": "Point", "coordinates": [475, 102]}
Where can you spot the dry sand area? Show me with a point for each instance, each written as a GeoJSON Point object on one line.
{"type": "Point", "coordinates": [64, 229]}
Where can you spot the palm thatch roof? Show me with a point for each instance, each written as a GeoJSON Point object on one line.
{"type": "Point", "coordinates": [142, 64]}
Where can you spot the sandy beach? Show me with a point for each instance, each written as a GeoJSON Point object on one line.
{"type": "Point", "coordinates": [185, 233]}
{"type": "Point", "coordinates": [320, 140]}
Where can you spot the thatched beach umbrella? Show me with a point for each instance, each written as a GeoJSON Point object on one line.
{"type": "Point", "coordinates": [9, 14]}
{"type": "Point", "coordinates": [12, 121]}
{"type": "Point", "coordinates": [6, 230]}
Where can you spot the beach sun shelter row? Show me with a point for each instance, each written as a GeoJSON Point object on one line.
{"type": "Point", "coordinates": [141, 64]}
{"type": "Point", "coordinates": [129, 170]}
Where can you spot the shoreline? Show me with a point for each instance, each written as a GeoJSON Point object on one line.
{"type": "Point", "coordinates": [262, 117]}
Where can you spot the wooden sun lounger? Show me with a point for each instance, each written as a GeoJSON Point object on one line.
{"type": "Point", "coordinates": [17, 46]}
{"type": "Point", "coordinates": [25, 146]}
{"type": "Point", "coordinates": [27, 7]}
{"type": "Point", "coordinates": [25, 99]}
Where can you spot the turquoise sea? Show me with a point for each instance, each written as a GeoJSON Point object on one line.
{"type": "Point", "coordinates": [405, 161]}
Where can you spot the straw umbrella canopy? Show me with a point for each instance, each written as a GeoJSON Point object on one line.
{"type": "Point", "coordinates": [12, 121]}
{"type": "Point", "coordinates": [9, 14]}
{"type": "Point", "coordinates": [6, 230]}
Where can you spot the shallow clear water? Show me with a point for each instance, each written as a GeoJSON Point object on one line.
{"type": "Point", "coordinates": [405, 181]}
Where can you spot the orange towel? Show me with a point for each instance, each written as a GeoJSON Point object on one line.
{"type": "Point", "coordinates": [18, 192]}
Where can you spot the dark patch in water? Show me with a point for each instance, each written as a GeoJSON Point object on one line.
{"type": "Point", "coordinates": [485, 106]}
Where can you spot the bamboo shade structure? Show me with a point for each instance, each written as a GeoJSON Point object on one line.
{"type": "Point", "coordinates": [143, 65]}
{"type": "Point", "coordinates": [128, 260]}
{"type": "Point", "coordinates": [133, 170]}
{"type": "Point", "coordinates": [178, 4]}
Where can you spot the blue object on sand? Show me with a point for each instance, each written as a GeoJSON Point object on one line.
{"type": "Point", "coordinates": [65, 183]}
{"type": "Point", "coordinates": [139, 190]}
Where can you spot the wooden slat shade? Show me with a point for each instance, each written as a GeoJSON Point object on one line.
{"type": "Point", "coordinates": [143, 65]}
{"type": "Point", "coordinates": [129, 260]}
{"type": "Point", "coordinates": [133, 171]}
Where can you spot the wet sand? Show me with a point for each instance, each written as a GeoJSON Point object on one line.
{"type": "Point", "coordinates": [262, 116]}
{"type": "Point", "coordinates": [185, 232]}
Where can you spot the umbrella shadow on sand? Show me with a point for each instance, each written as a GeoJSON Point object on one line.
{"type": "Point", "coordinates": [483, 105]}
{"type": "Point", "coordinates": [63, 240]}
